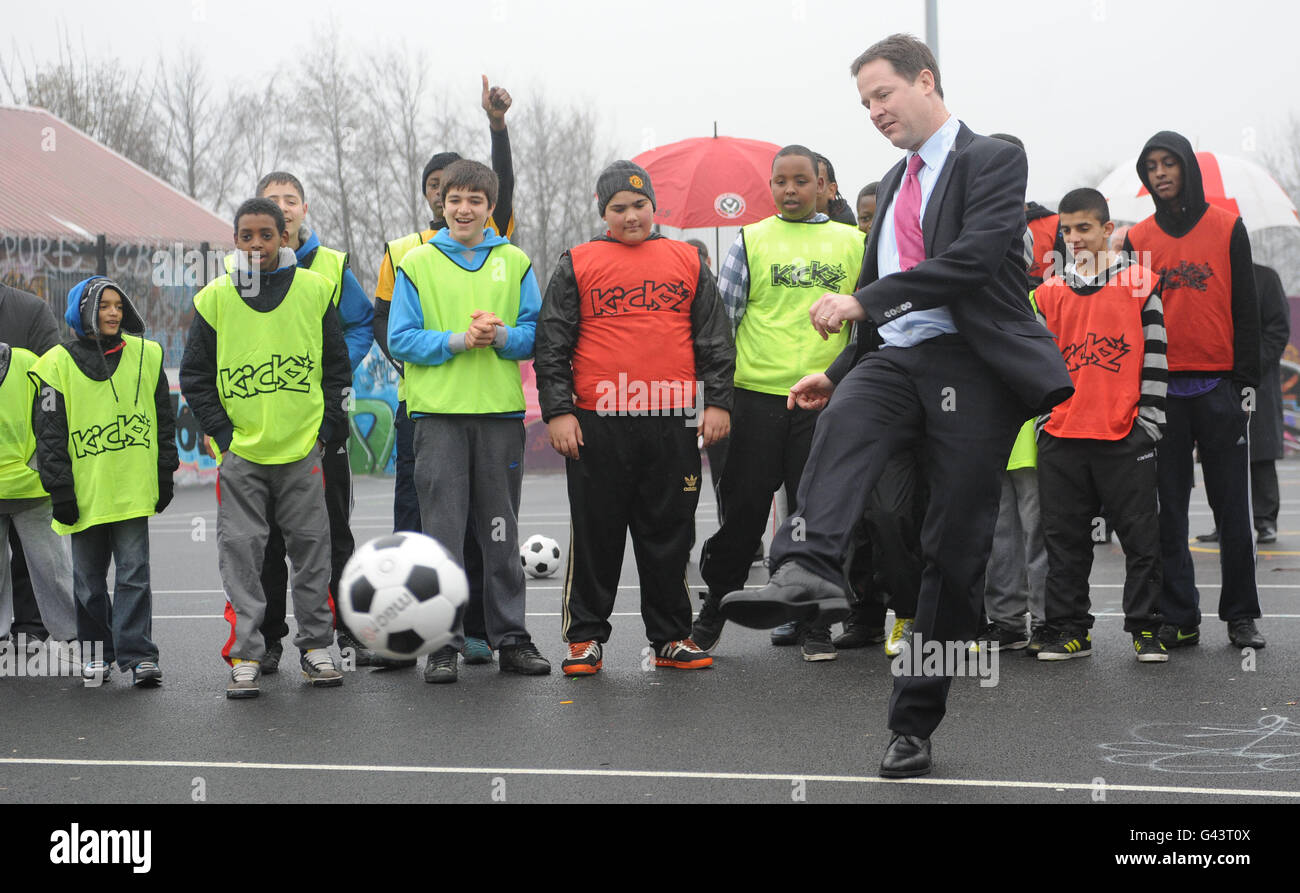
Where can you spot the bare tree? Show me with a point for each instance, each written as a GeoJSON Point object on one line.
{"type": "Point", "coordinates": [204, 151]}
{"type": "Point", "coordinates": [330, 127]}
{"type": "Point", "coordinates": [558, 155]}
{"type": "Point", "coordinates": [396, 93]}
{"type": "Point", "coordinates": [111, 102]}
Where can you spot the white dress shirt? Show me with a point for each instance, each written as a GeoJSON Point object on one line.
{"type": "Point", "coordinates": [912, 328]}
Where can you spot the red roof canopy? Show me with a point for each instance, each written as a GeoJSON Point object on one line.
{"type": "Point", "coordinates": [59, 183]}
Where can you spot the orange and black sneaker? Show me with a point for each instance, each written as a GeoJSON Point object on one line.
{"type": "Point", "coordinates": [584, 659]}
{"type": "Point", "coordinates": [683, 654]}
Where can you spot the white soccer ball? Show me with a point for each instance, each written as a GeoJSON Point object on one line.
{"type": "Point", "coordinates": [402, 595]}
{"type": "Point", "coordinates": [540, 556]}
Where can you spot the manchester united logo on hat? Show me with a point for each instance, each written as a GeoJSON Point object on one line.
{"type": "Point", "coordinates": [635, 182]}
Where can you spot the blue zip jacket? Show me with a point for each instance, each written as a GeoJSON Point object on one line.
{"type": "Point", "coordinates": [355, 310]}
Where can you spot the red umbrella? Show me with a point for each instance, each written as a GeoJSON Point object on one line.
{"type": "Point", "coordinates": [711, 181]}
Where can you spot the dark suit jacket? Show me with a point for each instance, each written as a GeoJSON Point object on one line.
{"type": "Point", "coordinates": [974, 229]}
{"type": "Point", "coordinates": [1266, 437]}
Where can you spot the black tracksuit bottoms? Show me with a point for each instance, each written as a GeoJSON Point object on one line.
{"type": "Point", "coordinates": [637, 473]}
{"type": "Point", "coordinates": [1075, 478]}
{"type": "Point", "coordinates": [768, 447]}
{"type": "Point", "coordinates": [1216, 424]}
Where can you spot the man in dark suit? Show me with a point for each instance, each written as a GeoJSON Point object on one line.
{"type": "Point", "coordinates": [949, 358]}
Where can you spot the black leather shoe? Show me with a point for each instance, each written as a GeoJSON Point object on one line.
{"type": "Point", "coordinates": [906, 756]}
{"type": "Point", "coordinates": [1211, 537]}
{"type": "Point", "coordinates": [1244, 634]}
{"type": "Point", "coordinates": [523, 658]}
{"type": "Point", "coordinates": [859, 634]}
{"type": "Point", "coordinates": [792, 594]}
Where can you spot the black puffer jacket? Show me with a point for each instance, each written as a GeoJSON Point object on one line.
{"type": "Point", "coordinates": [97, 359]}
{"type": "Point", "coordinates": [557, 335]}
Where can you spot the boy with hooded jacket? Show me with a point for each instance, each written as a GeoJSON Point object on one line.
{"type": "Point", "coordinates": [106, 449]}
{"type": "Point", "coordinates": [1211, 310]}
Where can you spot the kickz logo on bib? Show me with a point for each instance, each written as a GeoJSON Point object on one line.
{"type": "Point", "coordinates": [277, 374]}
{"type": "Point", "coordinates": [127, 431]}
{"type": "Point", "coordinates": [668, 296]}
{"type": "Point", "coordinates": [810, 275]}
{"type": "Point", "coordinates": [1096, 350]}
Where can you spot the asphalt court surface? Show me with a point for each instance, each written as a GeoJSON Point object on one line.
{"type": "Point", "coordinates": [762, 726]}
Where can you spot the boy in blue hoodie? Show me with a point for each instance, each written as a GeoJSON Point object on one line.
{"type": "Point", "coordinates": [106, 449]}
{"type": "Point", "coordinates": [463, 316]}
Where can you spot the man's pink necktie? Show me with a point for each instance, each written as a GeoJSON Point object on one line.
{"type": "Point", "coordinates": [907, 217]}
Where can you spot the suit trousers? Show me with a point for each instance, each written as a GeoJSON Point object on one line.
{"type": "Point", "coordinates": [1216, 424]}
{"type": "Point", "coordinates": [940, 396]}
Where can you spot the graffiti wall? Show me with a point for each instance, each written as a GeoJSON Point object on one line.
{"type": "Point", "coordinates": [162, 280]}
{"type": "Point", "coordinates": [372, 436]}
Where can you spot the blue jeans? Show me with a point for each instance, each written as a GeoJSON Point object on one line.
{"type": "Point", "coordinates": [125, 623]}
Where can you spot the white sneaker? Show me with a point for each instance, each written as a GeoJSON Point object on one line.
{"type": "Point", "coordinates": [243, 679]}
{"type": "Point", "coordinates": [319, 668]}
{"type": "Point", "coordinates": [95, 673]}
{"type": "Point", "coordinates": [900, 636]}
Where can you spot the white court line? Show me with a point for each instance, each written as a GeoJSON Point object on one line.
{"type": "Point", "coordinates": [645, 773]}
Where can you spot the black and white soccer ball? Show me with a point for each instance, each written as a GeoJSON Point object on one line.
{"type": "Point", "coordinates": [540, 556]}
{"type": "Point", "coordinates": [402, 595]}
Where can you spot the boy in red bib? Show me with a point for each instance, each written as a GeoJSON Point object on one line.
{"type": "Point", "coordinates": [1098, 447]}
{"type": "Point", "coordinates": [629, 324]}
{"type": "Point", "coordinates": [1202, 255]}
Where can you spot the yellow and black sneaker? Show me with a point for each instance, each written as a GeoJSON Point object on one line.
{"type": "Point", "coordinates": [1068, 644]}
{"type": "Point", "coordinates": [1175, 636]}
{"type": "Point", "coordinates": [1040, 637]}
{"type": "Point", "coordinates": [1149, 648]}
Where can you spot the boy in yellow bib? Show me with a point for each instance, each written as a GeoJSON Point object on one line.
{"type": "Point", "coordinates": [266, 371]}
{"type": "Point", "coordinates": [106, 448]}
{"type": "Point", "coordinates": [26, 506]}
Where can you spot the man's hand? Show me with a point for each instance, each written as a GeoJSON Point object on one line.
{"type": "Point", "coordinates": [566, 435]}
{"type": "Point", "coordinates": [831, 312]}
{"type": "Point", "coordinates": [482, 329]}
{"type": "Point", "coordinates": [811, 391]}
{"type": "Point", "coordinates": [715, 424]}
{"type": "Point", "coordinates": [496, 102]}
